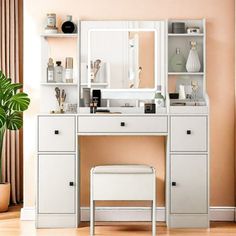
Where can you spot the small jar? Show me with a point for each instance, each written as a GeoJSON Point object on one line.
{"type": "Point", "coordinates": [51, 20]}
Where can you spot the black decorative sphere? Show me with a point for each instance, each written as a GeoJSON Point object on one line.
{"type": "Point", "coordinates": [68, 27]}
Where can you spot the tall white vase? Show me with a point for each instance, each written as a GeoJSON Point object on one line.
{"type": "Point", "coordinates": [193, 63]}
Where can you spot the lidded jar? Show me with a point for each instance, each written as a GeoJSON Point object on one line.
{"type": "Point", "coordinates": [68, 27]}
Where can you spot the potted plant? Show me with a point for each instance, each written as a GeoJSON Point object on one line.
{"type": "Point", "coordinates": [12, 104]}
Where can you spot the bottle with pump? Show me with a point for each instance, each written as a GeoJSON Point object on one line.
{"type": "Point", "coordinates": [50, 71]}
{"type": "Point", "coordinates": [69, 70]}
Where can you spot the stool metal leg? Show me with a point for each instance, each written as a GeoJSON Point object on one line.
{"type": "Point", "coordinates": [154, 206]}
{"type": "Point", "coordinates": [154, 218]}
{"type": "Point", "coordinates": [92, 217]}
{"type": "Point", "coordinates": [92, 205]}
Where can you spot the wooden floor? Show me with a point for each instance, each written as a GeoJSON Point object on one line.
{"type": "Point", "coordinates": [10, 225]}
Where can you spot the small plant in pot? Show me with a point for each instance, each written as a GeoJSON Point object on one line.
{"type": "Point", "coordinates": [13, 102]}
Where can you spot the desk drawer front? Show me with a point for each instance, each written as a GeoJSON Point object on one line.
{"type": "Point", "coordinates": [119, 124]}
{"type": "Point", "coordinates": [188, 133]}
{"type": "Point", "coordinates": [56, 134]}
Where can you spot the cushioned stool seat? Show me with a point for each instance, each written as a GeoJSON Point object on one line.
{"type": "Point", "coordinates": [122, 182]}
{"type": "Point", "coordinates": [122, 169]}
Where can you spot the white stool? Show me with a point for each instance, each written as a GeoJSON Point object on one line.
{"type": "Point", "coordinates": [122, 182]}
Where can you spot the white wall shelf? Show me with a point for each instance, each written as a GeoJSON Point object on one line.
{"type": "Point", "coordinates": [58, 84]}
{"type": "Point", "coordinates": [59, 35]}
{"type": "Point", "coordinates": [185, 73]}
{"type": "Point", "coordinates": [185, 35]}
{"type": "Point", "coordinates": [95, 84]}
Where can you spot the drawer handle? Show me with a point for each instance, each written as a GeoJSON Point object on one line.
{"type": "Point", "coordinates": [173, 183]}
{"type": "Point", "coordinates": [56, 131]}
{"type": "Point", "coordinates": [122, 124]}
{"type": "Point", "coordinates": [188, 132]}
{"type": "Point", "coordinates": [71, 183]}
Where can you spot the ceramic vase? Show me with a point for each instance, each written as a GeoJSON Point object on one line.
{"type": "Point", "coordinates": [193, 63]}
{"type": "Point", "coordinates": [4, 196]}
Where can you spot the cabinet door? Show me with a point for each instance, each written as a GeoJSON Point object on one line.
{"type": "Point", "coordinates": [189, 184]}
{"type": "Point", "coordinates": [56, 184]}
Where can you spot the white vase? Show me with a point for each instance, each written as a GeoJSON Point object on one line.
{"type": "Point", "coordinates": [193, 63]}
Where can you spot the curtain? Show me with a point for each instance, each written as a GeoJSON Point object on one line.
{"type": "Point", "coordinates": [11, 65]}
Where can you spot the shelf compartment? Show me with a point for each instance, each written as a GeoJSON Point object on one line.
{"type": "Point", "coordinates": [188, 23]}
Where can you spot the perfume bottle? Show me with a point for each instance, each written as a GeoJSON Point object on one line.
{"type": "Point", "coordinates": [50, 71]}
{"type": "Point", "coordinates": [159, 98]}
{"type": "Point", "coordinates": [58, 72]}
{"type": "Point", "coordinates": [177, 62]}
{"type": "Point", "coordinates": [68, 26]}
{"type": "Point", "coordinates": [69, 70]}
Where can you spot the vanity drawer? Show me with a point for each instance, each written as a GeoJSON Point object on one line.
{"type": "Point", "coordinates": [188, 133]}
{"type": "Point", "coordinates": [56, 134]}
{"type": "Point", "coordinates": [122, 124]}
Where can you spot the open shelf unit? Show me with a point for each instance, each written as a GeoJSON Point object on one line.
{"type": "Point", "coordinates": [58, 46]}
{"type": "Point", "coordinates": [182, 41]}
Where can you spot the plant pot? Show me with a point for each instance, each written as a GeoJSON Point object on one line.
{"type": "Point", "coordinates": [4, 196]}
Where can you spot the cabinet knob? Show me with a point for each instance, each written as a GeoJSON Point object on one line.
{"type": "Point", "coordinates": [173, 183]}
{"type": "Point", "coordinates": [122, 124]}
{"type": "Point", "coordinates": [71, 183]}
{"type": "Point", "coordinates": [56, 131]}
{"type": "Point", "coordinates": [188, 131]}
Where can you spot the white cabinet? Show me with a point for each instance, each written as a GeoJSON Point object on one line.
{"type": "Point", "coordinates": [56, 133]}
{"type": "Point", "coordinates": [188, 133]}
{"type": "Point", "coordinates": [189, 184]}
{"type": "Point", "coordinates": [56, 184]}
{"type": "Point", "coordinates": [188, 171]}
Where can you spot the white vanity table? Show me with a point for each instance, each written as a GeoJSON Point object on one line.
{"type": "Point", "coordinates": [186, 129]}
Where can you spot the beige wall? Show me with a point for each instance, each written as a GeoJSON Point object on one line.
{"type": "Point", "coordinates": [220, 86]}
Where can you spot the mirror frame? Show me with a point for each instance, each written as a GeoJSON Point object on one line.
{"type": "Point", "coordinates": [87, 27]}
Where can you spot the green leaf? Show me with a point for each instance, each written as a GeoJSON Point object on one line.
{"type": "Point", "coordinates": [2, 117]}
{"type": "Point", "coordinates": [19, 102]}
{"type": "Point", "coordinates": [14, 121]}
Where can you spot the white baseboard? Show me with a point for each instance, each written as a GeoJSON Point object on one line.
{"type": "Point", "coordinates": [222, 213]}
{"type": "Point", "coordinates": [27, 213]}
{"type": "Point", "coordinates": [135, 213]}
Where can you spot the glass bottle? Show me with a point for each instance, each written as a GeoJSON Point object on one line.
{"type": "Point", "coordinates": [177, 62]}
{"type": "Point", "coordinates": [50, 71]}
{"type": "Point", "coordinates": [159, 98]}
{"type": "Point", "coordinates": [69, 70]}
{"type": "Point", "coordinates": [58, 72]}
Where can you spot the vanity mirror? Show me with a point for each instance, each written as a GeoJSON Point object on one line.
{"type": "Point", "coordinates": [127, 57]}
{"type": "Point", "coordinates": [124, 59]}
